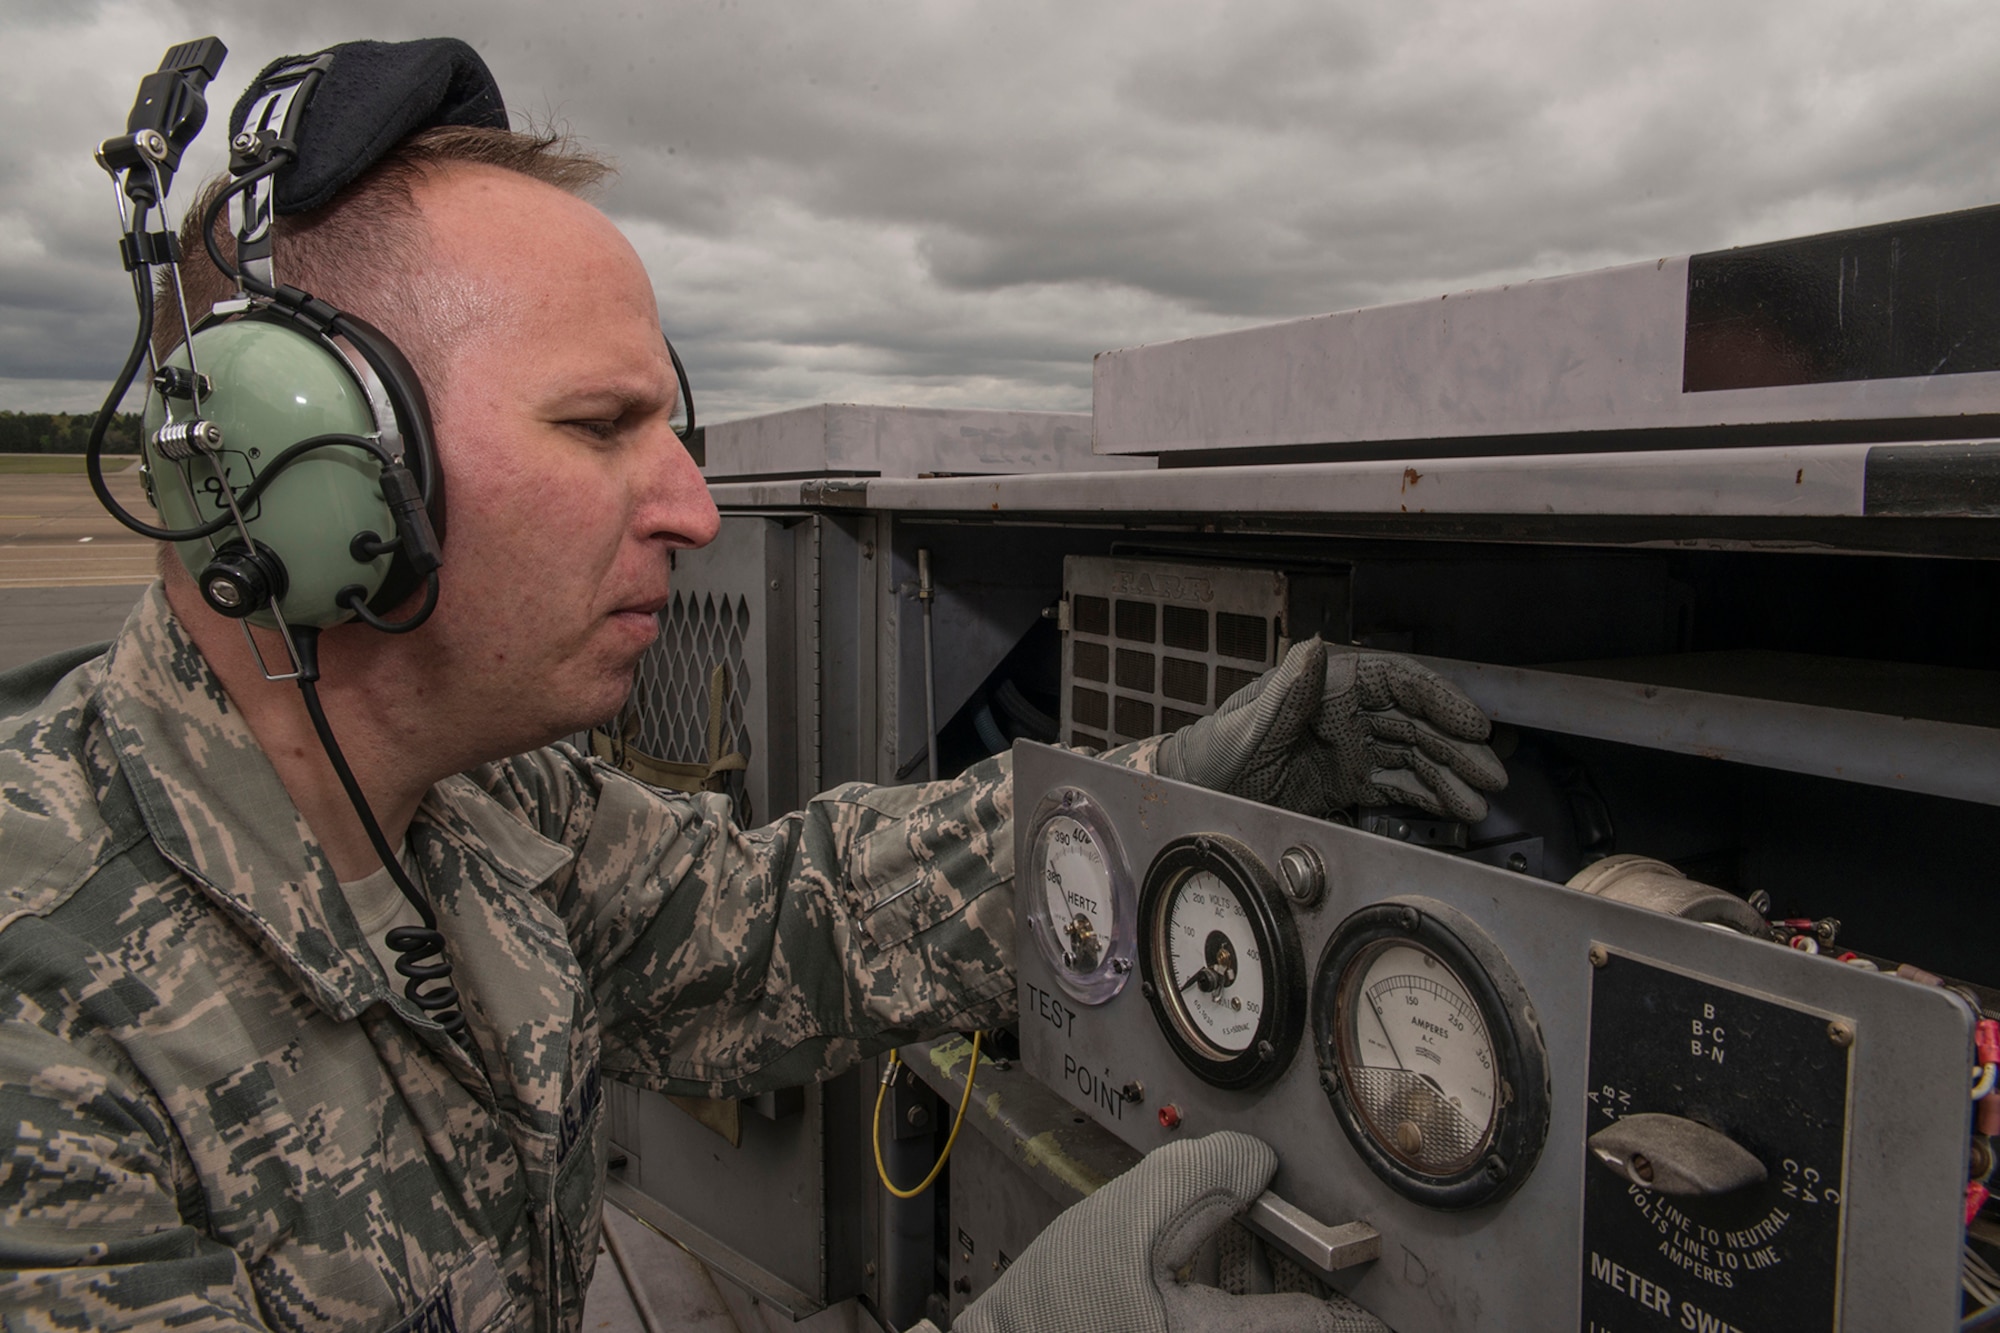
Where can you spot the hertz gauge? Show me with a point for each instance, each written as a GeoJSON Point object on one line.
{"type": "Point", "coordinates": [1222, 963]}
{"type": "Point", "coordinates": [1080, 899]}
{"type": "Point", "coordinates": [1431, 1054]}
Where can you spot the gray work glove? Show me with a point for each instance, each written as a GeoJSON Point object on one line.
{"type": "Point", "coordinates": [1112, 1263]}
{"type": "Point", "coordinates": [1324, 730]}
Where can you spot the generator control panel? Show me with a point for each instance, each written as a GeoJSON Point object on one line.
{"type": "Point", "coordinates": [1651, 1122]}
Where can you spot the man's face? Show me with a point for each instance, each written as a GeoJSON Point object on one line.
{"type": "Point", "coordinates": [567, 490]}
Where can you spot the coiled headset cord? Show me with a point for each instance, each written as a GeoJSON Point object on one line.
{"type": "Point", "coordinates": [420, 949]}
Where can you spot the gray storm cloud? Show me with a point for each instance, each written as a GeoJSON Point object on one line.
{"type": "Point", "coordinates": [958, 203]}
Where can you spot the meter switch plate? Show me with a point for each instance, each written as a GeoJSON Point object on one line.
{"type": "Point", "coordinates": [1717, 1123]}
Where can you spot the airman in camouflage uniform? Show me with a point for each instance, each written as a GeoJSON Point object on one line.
{"type": "Point", "coordinates": [225, 1116]}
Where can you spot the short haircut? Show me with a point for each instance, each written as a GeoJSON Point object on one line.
{"type": "Point", "coordinates": [365, 252]}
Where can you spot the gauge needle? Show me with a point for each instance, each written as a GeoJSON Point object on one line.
{"type": "Point", "coordinates": [1435, 1086]}
{"type": "Point", "coordinates": [1206, 979]}
{"type": "Point", "coordinates": [1385, 1032]}
{"type": "Point", "coordinates": [1395, 1051]}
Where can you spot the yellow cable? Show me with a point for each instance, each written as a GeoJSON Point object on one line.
{"type": "Point", "coordinates": [889, 1074]}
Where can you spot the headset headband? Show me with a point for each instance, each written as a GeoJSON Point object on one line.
{"type": "Point", "coordinates": [275, 124]}
{"type": "Point", "coordinates": [355, 101]}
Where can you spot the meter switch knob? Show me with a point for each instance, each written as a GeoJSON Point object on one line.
{"type": "Point", "coordinates": [1675, 1155]}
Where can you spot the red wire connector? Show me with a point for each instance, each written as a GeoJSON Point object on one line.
{"type": "Point", "coordinates": [1985, 1073]}
{"type": "Point", "coordinates": [1976, 1196]}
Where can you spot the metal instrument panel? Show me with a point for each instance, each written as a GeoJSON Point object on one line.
{"type": "Point", "coordinates": [1521, 1262]}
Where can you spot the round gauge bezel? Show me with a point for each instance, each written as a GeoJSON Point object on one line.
{"type": "Point", "coordinates": [1520, 1124]}
{"type": "Point", "coordinates": [1114, 969]}
{"type": "Point", "coordinates": [1276, 1038]}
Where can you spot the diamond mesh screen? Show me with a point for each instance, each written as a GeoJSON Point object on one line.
{"type": "Point", "coordinates": [669, 702]}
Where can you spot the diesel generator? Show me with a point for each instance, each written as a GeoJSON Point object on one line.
{"type": "Point", "coordinates": [1695, 1030]}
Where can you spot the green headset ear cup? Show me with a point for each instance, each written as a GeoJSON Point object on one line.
{"type": "Point", "coordinates": [271, 386]}
{"type": "Point", "coordinates": [413, 418]}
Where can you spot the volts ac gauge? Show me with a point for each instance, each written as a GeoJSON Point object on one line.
{"type": "Point", "coordinates": [1221, 961]}
{"type": "Point", "coordinates": [1080, 897]}
{"type": "Point", "coordinates": [1430, 1053]}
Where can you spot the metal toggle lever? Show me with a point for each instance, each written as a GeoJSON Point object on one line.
{"type": "Point", "coordinates": [1323, 1248]}
{"type": "Point", "coordinates": [1675, 1155]}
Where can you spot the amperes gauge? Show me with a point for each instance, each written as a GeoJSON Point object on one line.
{"type": "Point", "coordinates": [1221, 961]}
{"type": "Point", "coordinates": [1430, 1053]}
{"type": "Point", "coordinates": [1080, 897]}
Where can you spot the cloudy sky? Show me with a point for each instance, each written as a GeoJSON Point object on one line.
{"type": "Point", "coordinates": [958, 203]}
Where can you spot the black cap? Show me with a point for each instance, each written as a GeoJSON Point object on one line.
{"type": "Point", "coordinates": [375, 95]}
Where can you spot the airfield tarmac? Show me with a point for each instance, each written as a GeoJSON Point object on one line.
{"type": "Point", "coordinates": [68, 572]}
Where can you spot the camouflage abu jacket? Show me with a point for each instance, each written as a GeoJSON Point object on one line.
{"type": "Point", "coordinates": [222, 1115]}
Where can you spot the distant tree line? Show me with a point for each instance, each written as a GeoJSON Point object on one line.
{"type": "Point", "coordinates": [64, 433]}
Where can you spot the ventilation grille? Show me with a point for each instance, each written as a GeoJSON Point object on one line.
{"type": "Point", "coordinates": [669, 701]}
{"type": "Point", "coordinates": [1154, 646]}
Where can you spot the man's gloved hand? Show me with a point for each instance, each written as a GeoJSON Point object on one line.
{"type": "Point", "coordinates": [1111, 1263]}
{"type": "Point", "coordinates": [1325, 730]}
